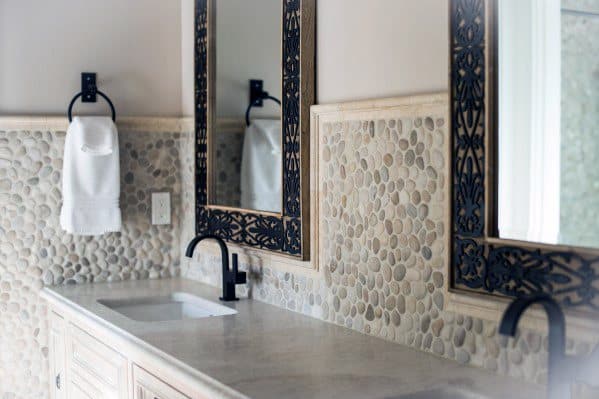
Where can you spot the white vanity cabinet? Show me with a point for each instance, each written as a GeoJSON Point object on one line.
{"type": "Point", "coordinates": [83, 366]}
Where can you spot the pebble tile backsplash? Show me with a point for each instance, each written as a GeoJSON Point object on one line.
{"type": "Point", "coordinates": [35, 252]}
{"type": "Point", "coordinates": [382, 194]}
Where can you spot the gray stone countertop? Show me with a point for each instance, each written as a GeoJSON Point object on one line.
{"type": "Point", "coordinates": [267, 352]}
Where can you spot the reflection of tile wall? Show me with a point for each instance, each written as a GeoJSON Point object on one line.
{"type": "Point", "coordinates": [35, 252]}
{"type": "Point", "coordinates": [580, 118]}
{"type": "Point", "coordinates": [229, 148]}
{"type": "Point", "coordinates": [382, 182]}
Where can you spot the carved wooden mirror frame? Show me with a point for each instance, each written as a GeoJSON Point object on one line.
{"type": "Point", "coordinates": [287, 233]}
{"type": "Point", "coordinates": [481, 262]}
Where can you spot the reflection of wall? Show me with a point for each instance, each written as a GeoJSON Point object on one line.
{"type": "Point", "coordinates": [383, 196]}
{"type": "Point", "coordinates": [580, 120]}
{"type": "Point", "coordinates": [515, 101]}
{"type": "Point", "coordinates": [529, 120]}
{"type": "Point", "coordinates": [134, 45]}
{"type": "Point", "coordinates": [34, 251]}
{"type": "Point", "coordinates": [248, 46]}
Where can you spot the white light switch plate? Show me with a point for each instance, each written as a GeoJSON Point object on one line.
{"type": "Point", "coordinates": [161, 208]}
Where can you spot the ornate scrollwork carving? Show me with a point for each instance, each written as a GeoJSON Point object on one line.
{"type": "Point", "coordinates": [291, 107]}
{"type": "Point", "coordinates": [282, 234]}
{"type": "Point", "coordinates": [516, 271]}
{"type": "Point", "coordinates": [469, 263]}
{"type": "Point", "coordinates": [468, 117]}
{"type": "Point", "coordinates": [477, 265]}
{"type": "Point", "coordinates": [201, 100]}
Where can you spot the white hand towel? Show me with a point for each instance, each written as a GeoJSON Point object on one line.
{"type": "Point", "coordinates": [262, 166]}
{"type": "Point", "coordinates": [91, 178]}
{"type": "Point", "coordinates": [97, 137]}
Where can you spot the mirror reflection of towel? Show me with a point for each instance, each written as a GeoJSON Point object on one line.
{"type": "Point", "coordinates": [91, 178]}
{"type": "Point", "coordinates": [261, 166]}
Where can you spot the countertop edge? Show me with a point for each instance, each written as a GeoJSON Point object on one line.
{"type": "Point", "coordinates": [199, 381]}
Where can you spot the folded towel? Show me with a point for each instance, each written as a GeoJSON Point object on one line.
{"type": "Point", "coordinates": [91, 177]}
{"type": "Point", "coordinates": [262, 166]}
{"type": "Point", "coordinates": [94, 143]}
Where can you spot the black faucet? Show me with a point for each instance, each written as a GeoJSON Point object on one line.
{"type": "Point", "coordinates": [563, 370]}
{"type": "Point", "coordinates": [230, 277]}
{"type": "Point", "coordinates": [558, 376]}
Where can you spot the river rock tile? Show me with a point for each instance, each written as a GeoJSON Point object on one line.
{"type": "Point", "coordinates": [35, 252]}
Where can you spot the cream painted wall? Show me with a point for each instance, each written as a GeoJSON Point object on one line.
{"type": "Point", "coordinates": [187, 57]}
{"type": "Point", "coordinates": [134, 45]}
{"type": "Point", "coordinates": [365, 49]}
{"type": "Point", "coordinates": [373, 49]}
{"type": "Point", "coordinates": [381, 48]}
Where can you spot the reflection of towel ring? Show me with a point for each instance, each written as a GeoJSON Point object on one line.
{"type": "Point", "coordinates": [89, 93]}
{"type": "Point", "coordinates": [104, 96]}
{"type": "Point", "coordinates": [265, 96]}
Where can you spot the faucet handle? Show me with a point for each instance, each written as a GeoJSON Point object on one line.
{"type": "Point", "coordinates": [239, 277]}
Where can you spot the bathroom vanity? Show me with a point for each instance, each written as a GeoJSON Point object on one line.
{"type": "Point", "coordinates": [253, 350]}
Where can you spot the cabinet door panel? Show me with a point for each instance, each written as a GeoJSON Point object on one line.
{"type": "Point", "coordinates": [93, 368]}
{"type": "Point", "coordinates": [57, 357]}
{"type": "Point", "coordinates": [79, 388]}
{"type": "Point", "coordinates": [147, 386]}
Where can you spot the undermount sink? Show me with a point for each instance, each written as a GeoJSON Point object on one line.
{"type": "Point", "coordinates": [444, 393]}
{"type": "Point", "coordinates": [176, 306]}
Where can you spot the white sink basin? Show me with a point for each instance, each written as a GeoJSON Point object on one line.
{"type": "Point", "coordinates": [177, 306]}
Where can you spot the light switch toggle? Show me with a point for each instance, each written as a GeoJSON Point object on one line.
{"type": "Point", "coordinates": [161, 208]}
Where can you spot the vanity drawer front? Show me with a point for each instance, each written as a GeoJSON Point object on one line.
{"type": "Point", "coordinates": [94, 369]}
{"type": "Point", "coordinates": [147, 386]}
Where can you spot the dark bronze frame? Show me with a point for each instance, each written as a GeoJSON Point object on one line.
{"type": "Point", "coordinates": [287, 233]}
{"type": "Point", "coordinates": [481, 263]}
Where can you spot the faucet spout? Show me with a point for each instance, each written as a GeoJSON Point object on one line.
{"type": "Point", "coordinates": [230, 278]}
{"type": "Point", "coordinates": [194, 243]}
{"type": "Point", "coordinates": [558, 378]}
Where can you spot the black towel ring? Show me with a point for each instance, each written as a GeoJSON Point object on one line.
{"type": "Point", "coordinates": [256, 102]}
{"type": "Point", "coordinates": [104, 96]}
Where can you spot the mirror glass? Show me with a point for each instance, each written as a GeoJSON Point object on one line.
{"type": "Point", "coordinates": [548, 121]}
{"type": "Point", "coordinates": [247, 159]}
